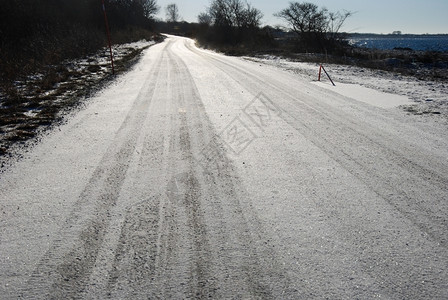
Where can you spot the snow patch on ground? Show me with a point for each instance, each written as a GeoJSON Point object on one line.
{"type": "Point", "coordinates": [366, 95]}
{"type": "Point", "coordinates": [428, 97]}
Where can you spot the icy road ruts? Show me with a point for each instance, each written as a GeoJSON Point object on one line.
{"type": "Point", "coordinates": [197, 175]}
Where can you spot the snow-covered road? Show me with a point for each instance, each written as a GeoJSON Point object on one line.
{"type": "Point", "coordinates": [197, 175]}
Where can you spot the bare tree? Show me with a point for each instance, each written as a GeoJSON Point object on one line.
{"type": "Point", "coordinates": [231, 22]}
{"type": "Point", "coordinates": [220, 13]}
{"type": "Point", "coordinates": [149, 7]}
{"type": "Point", "coordinates": [234, 13]}
{"type": "Point", "coordinates": [336, 21]}
{"type": "Point", "coordinates": [316, 27]}
{"type": "Point", "coordinates": [305, 17]}
{"type": "Point", "coordinates": [172, 13]}
{"type": "Point", "coordinates": [205, 19]}
{"type": "Point", "coordinates": [236, 9]}
{"type": "Point", "coordinates": [252, 17]}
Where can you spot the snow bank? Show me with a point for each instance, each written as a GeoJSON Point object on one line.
{"type": "Point", "coordinates": [367, 95]}
{"type": "Point", "coordinates": [427, 97]}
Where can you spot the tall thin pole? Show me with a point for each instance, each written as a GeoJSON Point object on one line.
{"type": "Point", "coordinates": [108, 38]}
{"type": "Point", "coordinates": [328, 76]}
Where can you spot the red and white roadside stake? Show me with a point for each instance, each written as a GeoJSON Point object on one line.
{"type": "Point", "coordinates": [320, 72]}
{"type": "Point", "coordinates": [108, 38]}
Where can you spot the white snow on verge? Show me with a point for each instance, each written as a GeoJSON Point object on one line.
{"type": "Point", "coordinates": [366, 95]}
{"type": "Point", "coordinates": [427, 96]}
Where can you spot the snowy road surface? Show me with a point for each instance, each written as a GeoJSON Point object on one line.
{"type": "Point", "coordinates": [197, 175]}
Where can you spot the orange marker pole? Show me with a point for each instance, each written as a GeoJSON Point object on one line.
{"type": "Point", "coordinates": [108, 38]}
{"type": "Point", "coordinates": [320, 72]}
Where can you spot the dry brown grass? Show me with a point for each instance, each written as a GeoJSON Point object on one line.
{"type": "Point", "coordinates": [36, 102]}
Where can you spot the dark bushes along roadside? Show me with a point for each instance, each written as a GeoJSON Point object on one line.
{"type": "Point", "coordinates": [35, 33]}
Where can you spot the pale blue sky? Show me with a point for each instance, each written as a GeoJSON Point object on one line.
{"type": "Point", "coordinates": [373, 16]}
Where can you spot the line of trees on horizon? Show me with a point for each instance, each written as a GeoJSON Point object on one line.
{"type": "Point", "coordinates": [230, 22]}
{"type": "Point", "coordinates": [38, 32]}
{"type": "Point", "coordinates": [238, 24]}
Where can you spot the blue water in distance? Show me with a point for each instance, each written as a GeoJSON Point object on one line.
{"type": "Point", "coordinates": [418, 43]}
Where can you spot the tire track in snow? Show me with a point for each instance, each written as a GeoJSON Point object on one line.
{"type": "Point", "coordinates": [179, 233]}
{"type": "Point", "coordinates": [372, 145]}
{"type": "Point", "coordinates": [411, 179]}
{"type": "Point", "coordinates": [65, 268]}
{"type": "Point", "coordinates": [208, 243]}
{"type": "Point", "coordinates": [229, 220]}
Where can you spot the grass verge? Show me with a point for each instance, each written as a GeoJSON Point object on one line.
{"type": "Point", "coordinates": [35, 103]}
